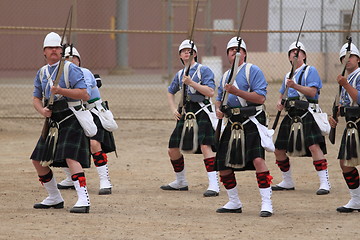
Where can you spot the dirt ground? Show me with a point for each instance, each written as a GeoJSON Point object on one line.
{"type": "Point", "coordinates": [139, 209]}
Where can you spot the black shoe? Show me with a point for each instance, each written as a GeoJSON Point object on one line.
{"type": "Point", "coordinates": [226, 210]}
{"type": "Point", "coordinates": [59, 186]}
{"type": "Point", "coordinates": [265, 214]}
{"type": "Point", "coordinates": [346, 210]}
{"type": "Point", "coordinates": [82, 209]}
{"type": "Point", "coordinates": [43, 206]}
{"type": "Point", "coordinates": [278, 188]}
{"type": "Point", "coordinates": [105, 191]}
{"type": "Point", "coordinates": [322, 192]}
{"type": "Point", "coordinates": [168, 187]}
{"type": "Point", "coordinates": [210, 193]}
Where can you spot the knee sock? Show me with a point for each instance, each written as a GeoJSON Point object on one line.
{"type": "Point", "coordinates": [46, 178]}
{"type": "Point", "coordinates": [229, 181]}
{"type": "Point", "coordinates": [283, 165]}
{"type": "Point", "coordinates": [264, 179]}
{"type": "Point", "coordinates": [178, 164]}
{"type": "Point", "coordinates": [209, 164]}
{"type": "Point", "coordinates": [352, 179]}
{"type": "Point", "coordinates": [100, 158]}
{"type": "Point", "coordinates": [320, 164]}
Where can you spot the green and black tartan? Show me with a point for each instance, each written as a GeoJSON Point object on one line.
{"type": "Point", "coordinates": [72, 143]}
{"type": "Point", "coordinates": [341, 154]}
{"type": "Point", "coordinates": [312, 133]}
{"type": "Point", "coordinates": [253, 148]}
{"type": "Point", "coordinates": [205, 132]}
{"type": "Point", "coordinates": [103, 136]}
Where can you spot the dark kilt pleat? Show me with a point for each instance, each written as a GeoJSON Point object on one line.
{"type": "Point", "coordinates": [341, 154]}
{"type": "Point", "coordinates": [312, 133]}
{"type": "Point", "coordinates": [104, 137]}
{"type": "Point", "coordinates": [72, 143]}
{"type": "Point", "coordinates": [205, 132]}
{"type": "Point", "coordinates": [253, 148]}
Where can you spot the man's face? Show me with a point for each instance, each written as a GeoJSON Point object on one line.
{"type": "Point", "coordinates": [232, 52]}
{"type": "Point", "coordinates": [52, 54]}
{"type": "Point", "coordinates": [75, 60]}
{"type": "Point", "coordinates": [185, 54]}
{"type": "Point", "coordinates": [352, 63]}
{"type": "Point", "coordinates": [301, 56]}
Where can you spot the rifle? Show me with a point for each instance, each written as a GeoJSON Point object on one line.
{"type": "Point", "coordinates": [234, 68]}
{"type": "Point", "coordinates": [293, 68]}
{"type": "Point", "coordinates": [45, 129]}
{"type": "Point", "coordinates": [337, 97]}
{"type": "Point", "coordinates": [188, 65]}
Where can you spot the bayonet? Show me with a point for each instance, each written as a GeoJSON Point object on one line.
{"type": "Point", "coordinates": [234, 69]}
{"type": "Point", "coordinates": [188, 65]}
{"type": "Point", "coordinates": [293, 68]}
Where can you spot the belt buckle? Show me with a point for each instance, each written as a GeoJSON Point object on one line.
{"type": "Point", "coordinates": [235, 111]}
{"type": "Point", "coordinates": [292, 103]}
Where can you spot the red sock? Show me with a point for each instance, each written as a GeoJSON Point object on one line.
{"type": "Point", "coordinates": [178, 164]}
{"type": "Point", "coordinates": [264, 179]}
{"type": "Point", "coordinates": [229, 181]}
{"type": "Point", "coordinates": [283, 165]}
{"type": "Point", "coordinates": [210, 164]}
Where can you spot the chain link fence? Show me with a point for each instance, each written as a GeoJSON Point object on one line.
{"type": "Point", "coordinates": [133, 45]}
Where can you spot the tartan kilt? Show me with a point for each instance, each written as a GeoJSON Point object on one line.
{"type": "Point", "coordinates": [103, 136]}
{"type": "Point", "coordinates": [206, 133]}
{"type": "Point", "coordinates": [72, 143]}
{"type": "Point", "coordinates": [312, 133]}
{"type": "Point", "coordinates": [253, 148]}
{"type": "Point", "coordinates": [341, 154]}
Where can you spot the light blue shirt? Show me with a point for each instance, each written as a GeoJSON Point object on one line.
{"type": "Point", "coordinates": [207, 78]}
{"type": "Point", "coordinates": [257, 82]}
{"type": "Point", "coordinates": [344, 96]}
{"type": "Point", "coordinates": [76, 80]}
{"type": "Point", "coordinates": [92, 89]}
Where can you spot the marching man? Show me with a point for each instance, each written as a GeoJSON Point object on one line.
{"type": "Point", "coordinates": [349, 153]}
{"type": "Point", "coordinates": [194, 129]}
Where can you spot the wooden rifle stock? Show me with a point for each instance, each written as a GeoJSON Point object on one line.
{"type": "Point", "coordinates": [45, 128]}
{"type": "Point", "coordinates": [183, 92]}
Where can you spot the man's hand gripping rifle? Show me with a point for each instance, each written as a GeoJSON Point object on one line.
{"type": "Point", "coordinates": [335, 108]}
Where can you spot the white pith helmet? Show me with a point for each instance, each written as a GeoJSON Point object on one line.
{"type": "Point", "coordinates": [353, 50]}
{"type": "Point", "coordinates": [52, 40]}
{"type": "Point", "coordinates": [294, 46]}
{"type": "Point", "coordinates": [74, 52]}
{"type": "Point", "coordinates": [186, 44]}
{"type": "Point", "coordinates": [234, 43]}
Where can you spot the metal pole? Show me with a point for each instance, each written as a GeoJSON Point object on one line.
{"type": "Point", "coordinates": [281, 25]}
{"type": "Point", "coordinates": [122, 53]}
{"type": "Point", "coordinates": [170, 38]}
{"type": "Point", "coordinates": [321, 24]}
{"type": "Point", "coordinates": [208, 38]}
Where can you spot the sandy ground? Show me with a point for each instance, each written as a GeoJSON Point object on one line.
{"type": "Point", "coordinates": [139, 209]}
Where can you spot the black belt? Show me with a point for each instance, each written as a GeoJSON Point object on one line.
{"type": "Point", "coordinates": [350, 112]}
{"type": "Point", "coordinates": [299, 104]}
